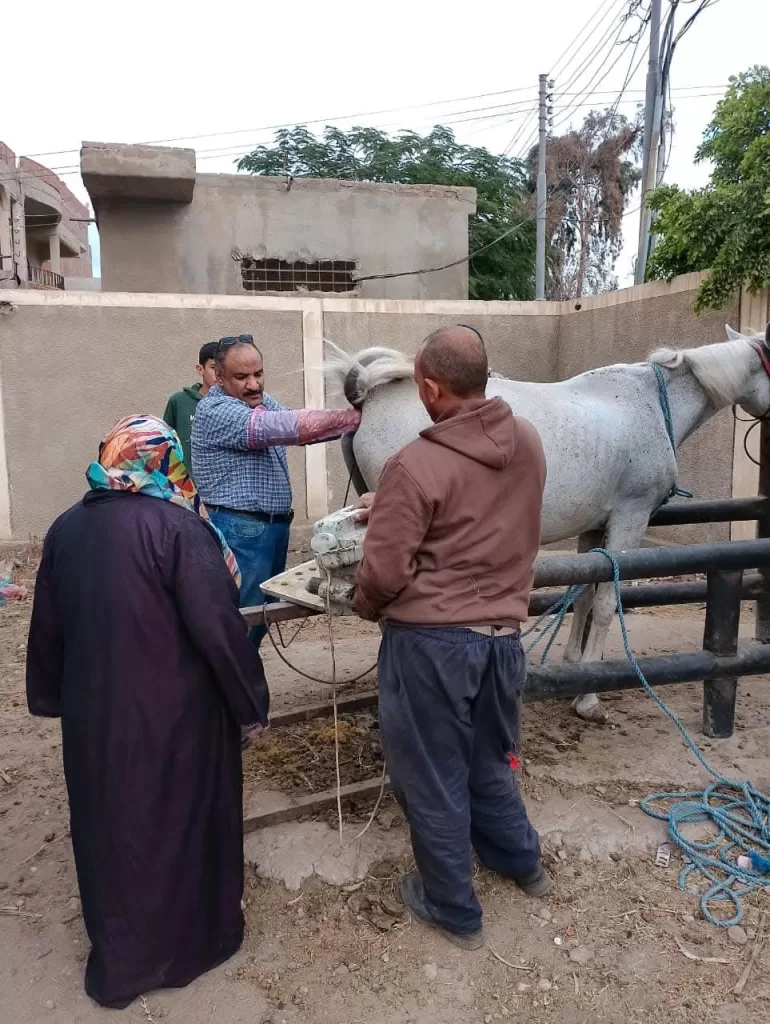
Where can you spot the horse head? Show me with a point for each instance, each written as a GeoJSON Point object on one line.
{"type": "Point", "coordinates": [755, 393]}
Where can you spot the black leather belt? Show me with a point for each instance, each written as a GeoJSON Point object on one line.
{"type": "Point", "coordinates": [263, 517]}
{"type": "Point", "coordinates": [493, 630]}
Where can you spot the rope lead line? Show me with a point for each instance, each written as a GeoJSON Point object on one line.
{"type": "Point", "coordinates": [675, 492]}
{"type": "Point", "coordinates": [738, 812]}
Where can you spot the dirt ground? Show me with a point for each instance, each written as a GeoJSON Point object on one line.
{"type": "Point", "coordinates": [617, 941]}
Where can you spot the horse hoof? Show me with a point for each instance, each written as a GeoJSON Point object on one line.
{"type": "Point", "coordinates": [590, 709]}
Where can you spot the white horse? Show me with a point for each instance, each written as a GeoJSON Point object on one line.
{"type": "Point", "coordinates": [610, 461]}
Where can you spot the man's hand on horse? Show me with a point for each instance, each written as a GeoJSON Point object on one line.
{"type": "Point", "coordinates": [364, 506]}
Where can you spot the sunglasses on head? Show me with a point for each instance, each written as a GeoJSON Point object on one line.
{"type": "Point", "coordinates": [238, 339]}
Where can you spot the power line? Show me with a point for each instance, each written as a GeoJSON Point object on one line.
{"type": "Point", "coordinates": [455, 263]}
{"type": "Point", "coordinates": [600, 51]}
{"type": "Point", "coordinates": [509, 108]}
{"type": "Point", "coordinates": [557, 68]}
{"type": "Point", "coordinates": [306, 121]}
{"type": "Point", "coordinates": [493, 121]}
{"type": "Point", "coordinates": [476, 114]}
{"type": "Point", "coordinates": [521, 129]}
{"type": "Point", "coordinates": [296, 124]}
{"type": "Point", "coordinates": [632, 70]}
{"type": "Point", "coordinates": [527, 146]}
{"type": "Point", "coordinates": [505, 111]}
{"type": "Point", "coordinates": [599, 17]}
{"type": "Point", "coordinates": [572, 107]}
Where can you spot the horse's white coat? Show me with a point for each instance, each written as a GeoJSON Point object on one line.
{"type": "Point", "coordinates": [610, 463]}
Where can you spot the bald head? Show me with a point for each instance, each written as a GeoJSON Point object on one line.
{"type": "Point", "coordinates": [456, 359]}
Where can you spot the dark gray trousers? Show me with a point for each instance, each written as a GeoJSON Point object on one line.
{"type": "Point", "coordinates": [448, 717]}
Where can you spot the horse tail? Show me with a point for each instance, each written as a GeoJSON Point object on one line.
{"type": "Point", "coordinates": [358, 374]}
{"type": "Point", "coordinates": [355, 476]}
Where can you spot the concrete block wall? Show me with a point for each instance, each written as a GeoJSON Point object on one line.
{"type": "Point", "coordinates": [625, 327]}
{"type": "Point", "coordinates": [72, 364]}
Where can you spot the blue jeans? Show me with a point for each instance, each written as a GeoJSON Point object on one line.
{"type": "Point", "coordinates": [448, 718]}
{"type": "Point", "coordinates": [260, 549]}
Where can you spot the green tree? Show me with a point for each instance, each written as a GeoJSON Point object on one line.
{"type": "Point", "coordinates": [504, 270]}
{"type": "Point", "coordinates": [724, 227]}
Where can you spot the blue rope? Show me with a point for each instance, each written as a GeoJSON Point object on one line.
{"type": "Point", "coordinates": [675, 492]}
{"type": "Point", "coordinates": [557, 613]}
{"type": "Point", "coordinates": [739, 812]}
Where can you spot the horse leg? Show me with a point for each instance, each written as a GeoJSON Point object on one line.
{"type": "Point", "coordinates": [619, 537]}
{"type": "Point", "coordinates": [581, 610]}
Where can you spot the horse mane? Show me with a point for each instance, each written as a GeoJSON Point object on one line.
{"type": "Point", "coordinates": [720, 369]}
{"type": "Point", "coordinates": [357, 374]}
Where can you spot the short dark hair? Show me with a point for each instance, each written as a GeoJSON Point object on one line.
{"type": "Point", "coordinates": [456, 357]}
{"type": "Point", "coordinates": [207, 352]}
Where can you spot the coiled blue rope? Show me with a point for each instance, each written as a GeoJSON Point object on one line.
{"type": "Point", "coordinates": [675, 492]}
{"type": "Point", "coordinates": [738, 811]}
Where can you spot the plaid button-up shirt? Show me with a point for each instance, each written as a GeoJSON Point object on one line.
{"type": "Point", "coordinates": [230, 466]}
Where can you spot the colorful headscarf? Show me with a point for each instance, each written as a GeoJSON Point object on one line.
{"type": "Point", "coordinates": [143, 454]}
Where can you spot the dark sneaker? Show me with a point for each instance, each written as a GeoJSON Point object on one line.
{"type": "Point", "coordinates": [537, 883]}
{"type": "Point", "coordinates": [413, 895]}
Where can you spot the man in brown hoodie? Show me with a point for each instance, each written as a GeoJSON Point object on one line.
{"type": "Point", "coordinates": [448, 565]}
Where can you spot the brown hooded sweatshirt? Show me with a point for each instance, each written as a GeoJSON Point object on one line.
{"type": "Point", "coordinates": [455, 524]}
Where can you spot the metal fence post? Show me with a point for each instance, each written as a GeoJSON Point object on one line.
{"type": "Point", "coordinates": [763, 533]}
{"type": "Point", "coordinates": [720, 636]}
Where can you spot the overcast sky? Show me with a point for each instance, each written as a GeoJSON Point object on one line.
{"type": "Point", "coordinates": [214, 76]}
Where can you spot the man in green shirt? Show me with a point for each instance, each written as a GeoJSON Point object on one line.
{"type": "Point", "coordinates": [181, 407]}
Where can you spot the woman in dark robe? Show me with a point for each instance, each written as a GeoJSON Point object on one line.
{"type": "Point", "coordinates": [136, 641]}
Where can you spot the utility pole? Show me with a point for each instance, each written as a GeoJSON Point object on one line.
{"type": "Point", "coordinates": [543, 124]}
{"type": "Point", "coordinates": [659, 172]}
{"type": "Point", "coordinates": [653, 110]}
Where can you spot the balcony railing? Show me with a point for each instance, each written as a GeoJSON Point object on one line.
{"type": "Point", "coordinates": [46, 278]}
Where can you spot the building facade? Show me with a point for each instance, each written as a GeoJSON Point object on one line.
{"type": "Point", "coordinates": [165, 228]}
{"type": "Point", "coordinates": [43, 228]}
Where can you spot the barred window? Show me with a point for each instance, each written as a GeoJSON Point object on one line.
{"type": "Point", "coordinates": [272, 275]}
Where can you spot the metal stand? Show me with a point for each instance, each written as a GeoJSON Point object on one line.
{"type": "Point", "coordinates": [718, 665]}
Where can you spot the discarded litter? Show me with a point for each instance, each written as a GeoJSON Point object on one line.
{"type": "Point", "coordinates": [663, 856]}
{"type": "Point", "coordinates": [756, 861]}
{"type": "Point", "coordinates": [10, 591]}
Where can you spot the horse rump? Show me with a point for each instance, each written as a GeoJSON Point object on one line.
{"type": "Point", "coordinates": [357, 374]}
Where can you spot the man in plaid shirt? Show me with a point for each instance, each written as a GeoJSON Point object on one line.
{"type": "Point", "coordinates": [239, 462]}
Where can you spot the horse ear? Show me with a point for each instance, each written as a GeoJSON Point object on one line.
{"type": "Point", "coordinates": [731, 334]}
{"type": "Point", "coordinates": [767, 336]}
